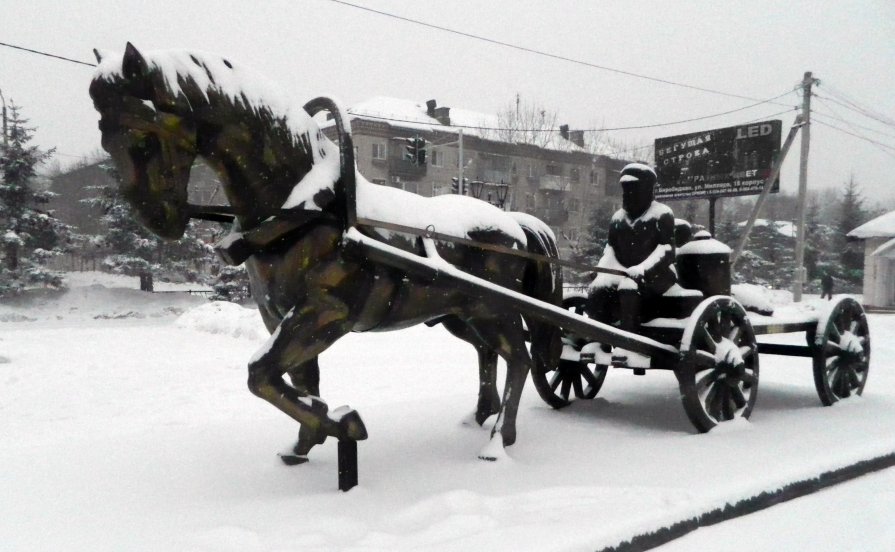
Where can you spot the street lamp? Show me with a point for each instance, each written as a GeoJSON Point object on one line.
{"type": "Point", "coordinates": [476, 187]}
{"type": "Point", "coordinates": [503, 189]}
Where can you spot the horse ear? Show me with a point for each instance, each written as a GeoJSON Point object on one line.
{"type": "Point", "coordinates": [97, 55]}
{"type": "Point", "coordinates": [135, 69]}
{"type": "Point", "coordinates": [134, 65]}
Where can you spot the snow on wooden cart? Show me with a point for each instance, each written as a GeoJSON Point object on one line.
{"type": "Point", "coordinates": [706, 336]}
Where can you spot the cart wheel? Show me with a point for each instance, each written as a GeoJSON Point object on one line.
{"type": "Point", "coordinates": [718, 370]}
{"type": "Point", "coordinates": [583, 378]}
{"type": "Point", "coordinates": [841, 352]}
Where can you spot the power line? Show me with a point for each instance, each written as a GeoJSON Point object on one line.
{"type": "Point", "coordinates": [46, 54]}
{"type": "Point", "coordinates": [635, 127]}
{"type": "Point", "coordinates": [858, 136]}
{"type": "Point", "coordinates": [885, 119]}
{"type": "Point", "coordinates": [851, 124]}
{"type": "Point", "coordinates": [859, 111]}
{"type": "Point", "coordinates": [542, 53]}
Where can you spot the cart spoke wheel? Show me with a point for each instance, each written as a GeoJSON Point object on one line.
{"type": "Point", "coordinates": [841, 352]}
{"type": "Point", "coordinates": [718, 368]}
{"type": "Point", "coordinates": [572, 379]}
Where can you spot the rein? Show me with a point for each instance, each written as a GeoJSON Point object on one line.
{"type": "Point", "coordinates": [300, 217]}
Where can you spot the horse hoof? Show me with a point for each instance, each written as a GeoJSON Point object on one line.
{"type": "Point", "coordinates": [493, 451]}
{"type": "Point", "coordinates": [293, 459]}
{"type": "Point", "coordinates": [350, 425]}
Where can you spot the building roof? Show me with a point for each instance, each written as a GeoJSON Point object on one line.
{"type": "Point", "coordinates": [414, 115]}
{"type": "Point", "coordinates": [882, 226]}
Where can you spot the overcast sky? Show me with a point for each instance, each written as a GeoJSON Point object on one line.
{"type": "Point", "coordinates": [755, 49]}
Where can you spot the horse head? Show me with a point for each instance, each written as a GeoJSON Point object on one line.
{"type": "Point", "coordinates": [150, 136]}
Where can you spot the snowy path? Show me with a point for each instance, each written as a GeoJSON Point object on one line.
{"type": "Point", "coordinates": [137, 434]}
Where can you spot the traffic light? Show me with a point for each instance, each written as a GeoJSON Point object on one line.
{"type": "Point", "coordinates": [415, 150]}
{"type": "Point", "coordinates": [455, 184]}
{"type": "Point", "coordinates": [420, 151]}
{"type": "Point", "coordinates": [410, 153]}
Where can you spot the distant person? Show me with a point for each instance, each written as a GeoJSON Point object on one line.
{"type": "Point", "coordinates": [641, 243]}
{"type": "Point", "coordinates": [826, 286]}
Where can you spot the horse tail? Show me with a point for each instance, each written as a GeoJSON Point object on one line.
{"type": "Point", "coordinates": [542, 280]}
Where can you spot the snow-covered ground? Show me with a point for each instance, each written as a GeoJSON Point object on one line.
{"type": "Point", "coordinates": [126, 424]}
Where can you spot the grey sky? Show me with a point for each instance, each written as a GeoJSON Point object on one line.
{"type": "Point", "coordinates": [316, 47]}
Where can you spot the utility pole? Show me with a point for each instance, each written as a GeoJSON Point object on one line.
{"type": "Point", "coordinates": [799, 276]}
{"type": "Point", "coordinates": [460, 187]}
{"type": "Point", "coordinates": [5, 142]}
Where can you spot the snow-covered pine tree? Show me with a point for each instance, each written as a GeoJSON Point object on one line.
{"type": "Point", "coordinates": [133, 250]}
{"type": "Point", "coordinates": [30, 236]}
{"type": "Point", "coordinates": [593, 241]}
{"type": "Point", "coordinates": [851, 215]}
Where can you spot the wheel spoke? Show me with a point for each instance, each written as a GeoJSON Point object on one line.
{"type": "Point", "coordinates": [747, 351]}
{"type": "Point", "coordinates": [726, 404]}
{"type": "Point", "coordinates": [576, 384]}
{"type": "Point", "coordinates": [704, 359]}
{"type": "Point", "coordinates": [734, 334]}
{"type": "Point", "coordinates": [738, 398]}
{"type": "Point", "coordinates": [704, 379]}
{"type": "Point", "coordinates": [710, 403]}
{"type": "Point", "coordinates": [566, 387]}
{"type": "Point", "coordinates": [748, 379]}
{"type": "Point", "coordinates": [707, 339]}
{"type": "Point", "coordinates": [588, 375]}
{"type": "Point", "coordinates": [555, 380]}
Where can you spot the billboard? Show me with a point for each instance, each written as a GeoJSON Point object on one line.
{"type": "Point", "coordinates": [728, 161]}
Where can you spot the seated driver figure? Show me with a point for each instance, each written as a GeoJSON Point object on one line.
{"type": "Point", "coordinates": [641, 243]}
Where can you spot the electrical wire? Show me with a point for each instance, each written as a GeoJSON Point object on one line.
{"type": "Point", "coordinates": [635, 127]}
{"type": "Point", "coordinates": [858, 136]}
{"type": "Point", "coordinates": [46, 54]}
{"type": "Point", "coordinates": [542, 53]}
{"type": "Point", "coordinates": [866, 111]}
{"type": "Point", "coordinates": [859, 111]}
{"type": "Point", "coordinates": [853, 125]}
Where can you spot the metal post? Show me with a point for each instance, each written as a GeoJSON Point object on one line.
{"type": "Point", "coordinates": [798, 277]}
{"type": "Point", "coordinates": [766, 188]}
{"type": "Point", "coordinates": [460, 187]}
{"type": "Point", "coordinates": [712, 215]}
{"type": "Point", "coordinates": [5, 142]}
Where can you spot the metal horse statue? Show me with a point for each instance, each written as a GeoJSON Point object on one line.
{"type": "Point", "coordinates": [294, 195]}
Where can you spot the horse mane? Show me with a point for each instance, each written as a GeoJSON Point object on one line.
{"type": "Point", "coordinates": [182, 72]}
{"type": "Point", "coordinates": [187, 81]}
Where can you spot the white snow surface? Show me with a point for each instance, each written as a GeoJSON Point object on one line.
{"type": "Point", "coordinates": [782, 227]}
{"type": "Point", "coordinates": [142, 435]}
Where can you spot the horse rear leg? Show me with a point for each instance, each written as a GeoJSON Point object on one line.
{"type": "Point", "coordinates": [489, 400]}
{"type": "Point", "coordinates": [305, 332]}
{"type": "Point", "coordinates": [507, 338]}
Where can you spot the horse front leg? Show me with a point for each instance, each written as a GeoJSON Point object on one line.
{"type": "Point", "coordinates": [305, 378]}
{"type": "Point", "coordinates": [304, 333]}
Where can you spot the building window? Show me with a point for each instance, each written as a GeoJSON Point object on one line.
{"type": "Point", "coordinates": [574, 174]}
{"type": "Point", "coordinates": [412, 187]}
{"type": "Point", "coordinates": [530, 202]}
{"type": "Point", "coordinates": [378, 150]}
{"type": "Point", "coordinates": [531, 170]}
{"type": "Point", "coordinates": [380, 181]}
{"type": "Point", "coordinates": [437, 158]}
{"type": "Point", "coordinates": [554, 170]}
{"type": "Point", "coordinates": [574, 205]}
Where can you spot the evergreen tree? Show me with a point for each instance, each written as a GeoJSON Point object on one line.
{"type": "Point", "coordinates": [593, 241]}
{"type": "Point", "coordinates": [851, 215]}
{"type": "Point", "coordinates": [134, 251]}
{"type": "Point", "coordinates": [30, 236]}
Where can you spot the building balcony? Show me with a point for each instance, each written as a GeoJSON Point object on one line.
{"type": "Point", "coordinates": [553, 183]}
{"type": "Point", "coordinates": [553, 217]}
{"type": "Point", "coordinates": [398, 166]}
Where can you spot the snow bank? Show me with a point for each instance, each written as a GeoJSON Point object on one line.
{"type": "Point", "coordinates": [221, 317]}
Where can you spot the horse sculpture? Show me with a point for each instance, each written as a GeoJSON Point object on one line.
{"type": "Point", "coordinates": [161, 110]}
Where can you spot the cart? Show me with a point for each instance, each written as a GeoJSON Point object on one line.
{"type": "Point", "coordinates": [712, 349]}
